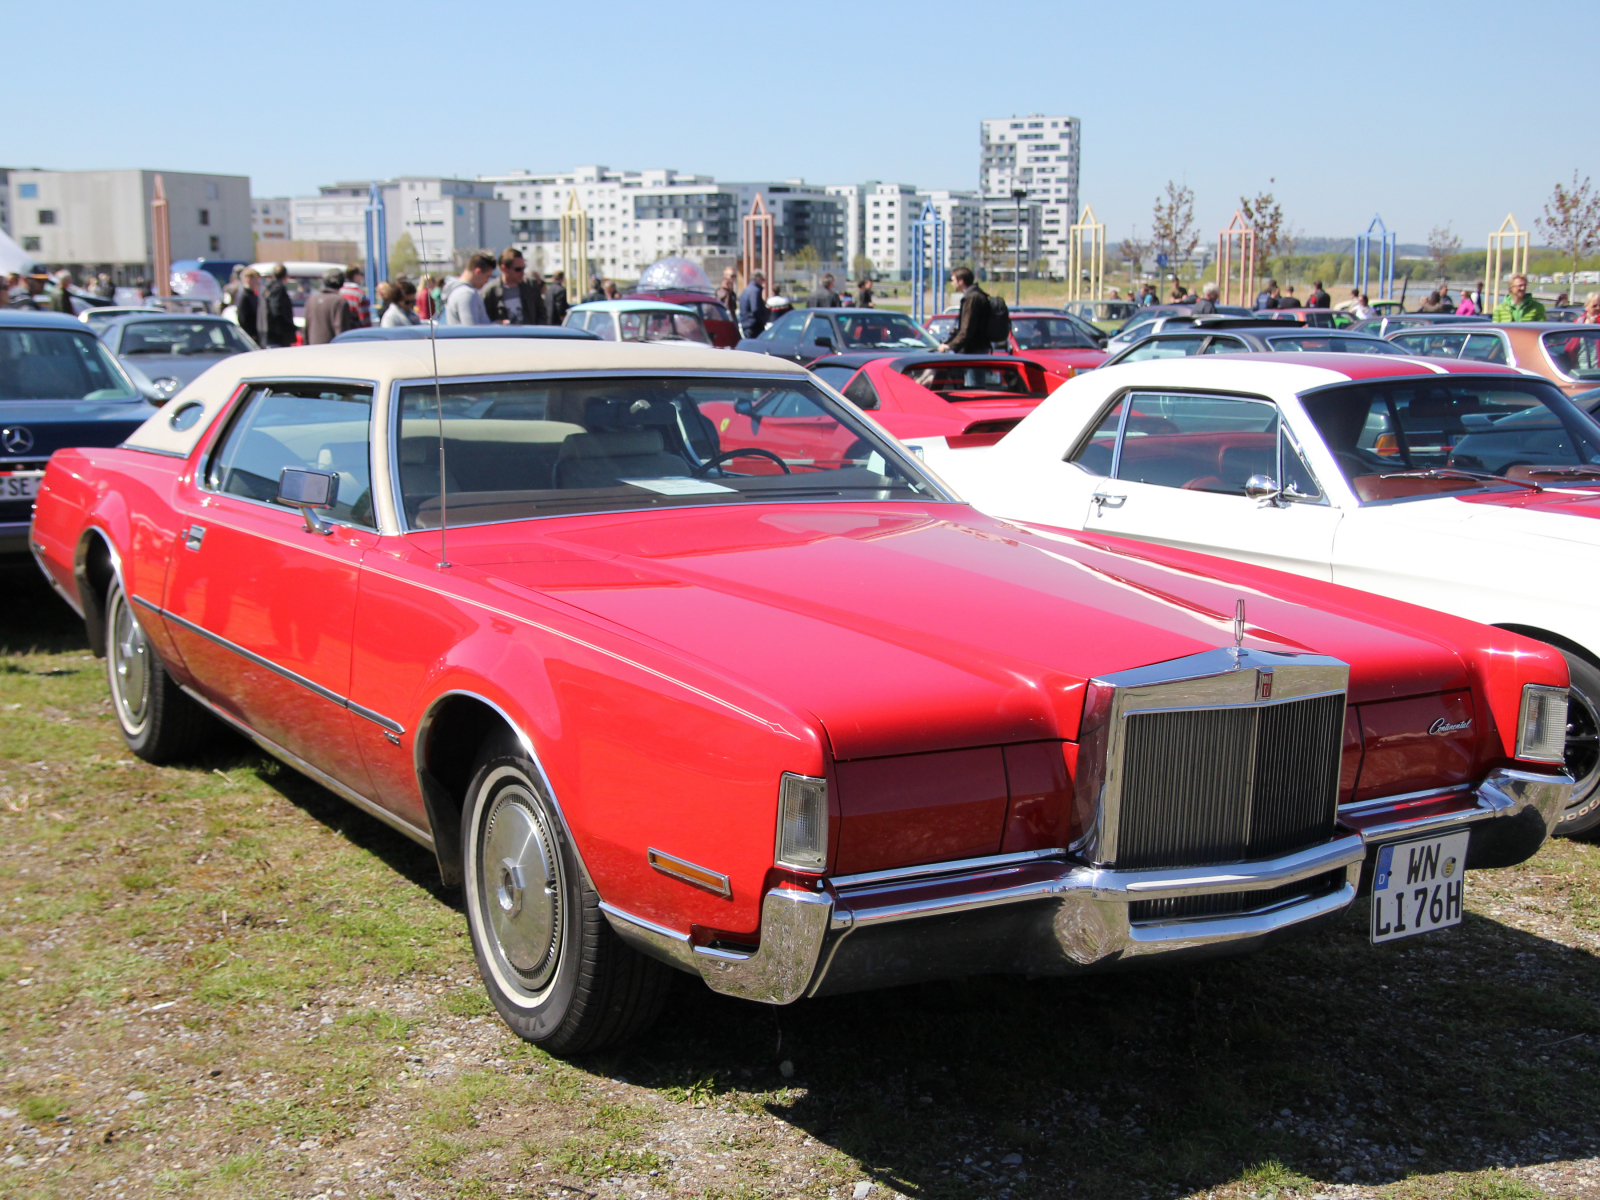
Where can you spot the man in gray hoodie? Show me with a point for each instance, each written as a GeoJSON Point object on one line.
{"type": "Point", "coordinates": [462, 303]}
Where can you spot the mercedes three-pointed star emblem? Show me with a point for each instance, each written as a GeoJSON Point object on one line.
{"type": "Point", "coordinates": [17, 439]}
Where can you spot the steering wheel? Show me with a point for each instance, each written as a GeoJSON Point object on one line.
{"type": "Point", "coordinates": [718, 459]}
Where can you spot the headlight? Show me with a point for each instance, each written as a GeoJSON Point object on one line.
{"type": "Point", "coordinates": [1542, 725]}
{"type": "Point", "coordinates": [166, 387]}
{"type": "Point", "coordinates": [802, 822]}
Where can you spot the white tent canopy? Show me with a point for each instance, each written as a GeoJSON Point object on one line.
{"type": "Point", "coordinates": [12, 256]}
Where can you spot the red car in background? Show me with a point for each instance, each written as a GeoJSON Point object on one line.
{"type": "Point", "coordinates": [1049, 338]}
{"type": "Point", "coordinates": [970, 399]}
{"type": "Point", "coordinates": [718, 321]}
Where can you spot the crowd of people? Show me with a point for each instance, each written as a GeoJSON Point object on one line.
{"type": "Point", "coordinates": [756, 310]}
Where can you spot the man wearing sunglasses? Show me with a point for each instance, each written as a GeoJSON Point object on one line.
{"type": "Point", "coordinates": [512, 299]}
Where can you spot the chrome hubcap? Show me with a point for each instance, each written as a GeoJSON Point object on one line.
{"type": "Point", "coordinates": [520, 885]}
{"type": "Point", "coordinates": [130, 666]}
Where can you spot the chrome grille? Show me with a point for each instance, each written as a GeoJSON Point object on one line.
{"type": "Point", "coordinates": [1203, 786]}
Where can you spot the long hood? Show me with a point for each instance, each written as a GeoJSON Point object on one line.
{"type": "Point", "coordinates": [908, 629]}
{"type": "Point", "coordinates": [1559, 514]}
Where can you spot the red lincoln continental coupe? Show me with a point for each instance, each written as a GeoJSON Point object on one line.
{"type": "Point", "coordinates": [798, 729]}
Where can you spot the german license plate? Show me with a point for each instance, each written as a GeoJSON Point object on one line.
{"type": "Point", "coordinates": [1419, 886]}
{"type": "Point", "coordinates": [19, 485]}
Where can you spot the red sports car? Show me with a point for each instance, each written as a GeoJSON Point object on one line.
{"type": "Point", "coordinates": [795, 729]}
{"type": "Point", "coordinates": [1043, 335]}
{"type": "Point", "coordinates": [969, 399]}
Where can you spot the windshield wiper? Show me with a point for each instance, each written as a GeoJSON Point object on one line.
{"type": "Point", "coordinates": [1462, 473]}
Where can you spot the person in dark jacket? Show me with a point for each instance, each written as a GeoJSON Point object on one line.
{"type": "Point", "coordinates": [555, 298]}
{"type": "Point", "coordinates": [275, 317]}
{"type": "Point", "coordinates": [597, 291]}
{"type": "Point", "coordinates": [247, 300]}
{"type": "Point", "coordinates": [1319, 297]}
{"type": "Point", "coordinates": [864, 294]}
{"type": "Point", "coordinates": [1208, 299]}
{"type": "Point", "coordinates": [972, 328]}
{"type": "Point", "coordinates": [824, 296]}
{"type": "Point", "coordinates": [328, 314]}
{"type": "Point", "coordinates": [753, 312]}
{"type": "Point", "coordinates": [511, 299]}
{"type": "Point", "coordinates": [1268, 297]}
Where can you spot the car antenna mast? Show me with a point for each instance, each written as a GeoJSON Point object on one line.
{"type": "Point", "coordinates": [438, 402]}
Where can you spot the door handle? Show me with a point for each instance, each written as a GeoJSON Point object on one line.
{"type": "Point", "coordinates": [1102, 501]}
{"type": "Point", "coordinates": [193, 536]}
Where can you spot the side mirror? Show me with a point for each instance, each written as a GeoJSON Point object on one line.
{"type": "Point", "coordinates": [746, 407]}
{"type": "Point", "coordinates": [308, 491]}
{"type": "Point", "coordinates": [1261, 487]}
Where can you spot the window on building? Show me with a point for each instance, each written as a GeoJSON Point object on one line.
{"type": "Point", "coordinates": [28, 191]}
{"type": "Point", "coordinates": [30, 242]}
{"type": "Point", "coordinates": [205, 216]}
{"type": "Point", "coordinates": [47, 216]}
{"type": "Point", "coordinates": [212, 193]}
{"type": "Point", "coordinates": [216, 243]}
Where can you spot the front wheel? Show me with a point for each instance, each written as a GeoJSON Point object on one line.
{"type": "Point", "coordinates": [158, 722]}
{"type": "Point", "coordinates": [554, 970]}
{"type": "Point", "coordinates": [1582, 813]}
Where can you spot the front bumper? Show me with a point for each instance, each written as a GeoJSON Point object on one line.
{"type": "Point", "coordinates": [1040, 913]}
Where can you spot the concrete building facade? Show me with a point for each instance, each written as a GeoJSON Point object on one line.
{"type": "Point", "coordinates": [1040, 154]}
{"type": "Point", "coordinates": [962, 214]}
{"type": "Point", "coordinates": [270, 218]}
{"type": "Point", "coordinates": [446, 219]}
{"type": "Point", "coordinates": [92, 221]}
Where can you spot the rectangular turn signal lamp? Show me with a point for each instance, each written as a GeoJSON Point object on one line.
{"type": "Point", "coordinates": [802, 822]}
{"type": "Point", "coordinates": [1542, 726]}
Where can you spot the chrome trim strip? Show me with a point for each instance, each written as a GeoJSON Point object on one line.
{"type": "Point", "coordinates": [37, 550]}
{"type": "Point", "coordinates": [1356, 808]}
{"type": "Point", "coordinates": [151, 450]}
{"type": "Point", "coordinates": [291, 759]}
{"type": "Point", "coordinates": [956, 866]}
{"type": "Point", "coordinates": [1504, 792]}
{"type": "Point", "coordinates": [293, 677]}
{"type": "Point", "coordinates": [1171, 936]}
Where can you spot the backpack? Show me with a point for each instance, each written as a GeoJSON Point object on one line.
{"type": "Point", "coordinates": [999, 328]}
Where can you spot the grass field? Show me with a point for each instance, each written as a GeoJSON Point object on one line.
{"type": "Point", "coordinates": [217, 980]}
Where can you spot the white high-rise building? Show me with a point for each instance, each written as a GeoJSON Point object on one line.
{"type": "Point", "coordinates": [887, 210]}
{"type": "Point", "coordinates": [1040, 154]}
{"type": "Point", "coordinates": [852, 196]}
{"type": "Point", "coordinates": [963, 222]}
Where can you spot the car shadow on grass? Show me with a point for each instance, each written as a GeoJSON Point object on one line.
{"type": "Point", "coordinates": [1329, 1058]}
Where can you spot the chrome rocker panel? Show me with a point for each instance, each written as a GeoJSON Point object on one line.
{"type": "Point", "coordinates": [1038, 913]}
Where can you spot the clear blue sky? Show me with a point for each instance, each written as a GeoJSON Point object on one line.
{"type": "Point", "coordinates": [1350, 118]}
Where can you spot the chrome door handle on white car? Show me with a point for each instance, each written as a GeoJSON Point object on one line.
{"type": "Point", "coordinates": [1103, 501]}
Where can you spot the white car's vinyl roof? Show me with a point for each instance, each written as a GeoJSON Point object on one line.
{"type": "Point", "coordinates": [380, 363]}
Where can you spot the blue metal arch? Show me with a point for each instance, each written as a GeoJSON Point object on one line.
{"type": "Point", "coordinates": [930, 222]}
{"type": "Point", "coordinates": [377, 244]}
{"type": "Point", "coordinates": [1386, 245]}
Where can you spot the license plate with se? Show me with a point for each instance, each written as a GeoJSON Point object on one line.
{"type": "Point", "coordinates": [19, 485]}
{"type": "Point", "coordinates": [1419, 886]}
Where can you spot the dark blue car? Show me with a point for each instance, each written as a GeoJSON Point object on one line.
{"type": "Point", "coordinates": [59, 387]}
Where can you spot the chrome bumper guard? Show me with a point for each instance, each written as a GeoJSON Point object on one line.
{"type": "Point", "coordinates": [1505, 792]}
{"type": "Point", "coordinates": [1037, 913]}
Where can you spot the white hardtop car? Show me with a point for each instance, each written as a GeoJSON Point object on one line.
{"type": "Point", "coordinates": [1464, 487]}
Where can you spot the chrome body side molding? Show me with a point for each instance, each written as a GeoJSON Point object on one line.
{"type": "Point", "coordinates": [310, 685]}
{"type": "Point", "coordinates": [289, 758]}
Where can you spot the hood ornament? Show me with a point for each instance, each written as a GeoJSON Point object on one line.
{"type": "Point", "coordinates": [1238, 631]}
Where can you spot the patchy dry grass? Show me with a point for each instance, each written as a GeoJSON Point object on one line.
{"type": "Point", "coordinates": [217, 980]}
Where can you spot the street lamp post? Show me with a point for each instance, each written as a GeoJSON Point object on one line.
{"type": "Point", "coordinates": [1017, 194]}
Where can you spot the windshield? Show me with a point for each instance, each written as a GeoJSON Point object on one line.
{"type": "Point", "coordinates": [1313, 344]}
{"type": "Point", "coordinates": [660, 325]}
{"type": "Point", "coordinates": [962, 381]}
{"type": "Point", "coordinates": [879, 330]}
{"type": "Point", "coordinates": [1049, 333]}
{"type": "Point", "coordinates": [183, 337]}
{"type": "Point", "coordinates": [1576, 354]}
{"type": "Point", "coordinates": [59, 364]}
{"type": "Point", "coordinates": [536, 447]}
{"type": "Point", "coordinates": [1386, 436]}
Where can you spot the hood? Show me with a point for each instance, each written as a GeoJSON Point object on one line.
{"type": "Point", "coordinates": [1557, 513]}
{"type": "Point", "coordinates": [918, 628]}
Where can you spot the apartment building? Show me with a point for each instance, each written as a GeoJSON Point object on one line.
{"type": "Point", "coordinates": [270, 218]}
{"type": "Point", "coordinates": [962, 213]}
{"type": "Point", "coordinates": [803, 214]}
{"type": "Point", "coordinates": [93, 221]}
{"type": "Point", "coordinates": [1039, 154]}
{"type": "Point", "coordinates": [446, 219]}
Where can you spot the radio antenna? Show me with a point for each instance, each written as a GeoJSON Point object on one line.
{"type": "Point", "coordinates": [438, 402]}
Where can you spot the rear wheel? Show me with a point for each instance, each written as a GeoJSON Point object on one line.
{"type": "Point", "coordinates": [555, 971]}
{"type": "Point", "coordinates": [1582, 813]}
{"type": "Point", "coordinates": [157, 720]}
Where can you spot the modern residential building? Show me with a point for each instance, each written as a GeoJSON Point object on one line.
{"type": "Point", "coordinates": [962, 214]}
{"type": "Point", "coordinates": [269, 218]}
{"type": "Point", "coordinates": [634, 217]}
{"type": "Point", "coordinates": [1040, 154]}
{"type": "Point", "coordinates": [998, 246]}
{"type": "Point", "coordinates": [887, 210]}
{"type": "Point", "coordinates": [93, 221]}
{"type": "Point", "coordinates": [803, 214]}
{"type": "Point", "coordinates": [446, 219]}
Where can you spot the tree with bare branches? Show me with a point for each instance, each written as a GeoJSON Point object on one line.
{"type": "Point", "coordinates": [1442, 243]}
{"type": "Point", "coordinates": [1274, 236]}
{"type": "Point", "coordinates": [1172, 228]}
{"type": "Point", "coordinates": [1572, 222]}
